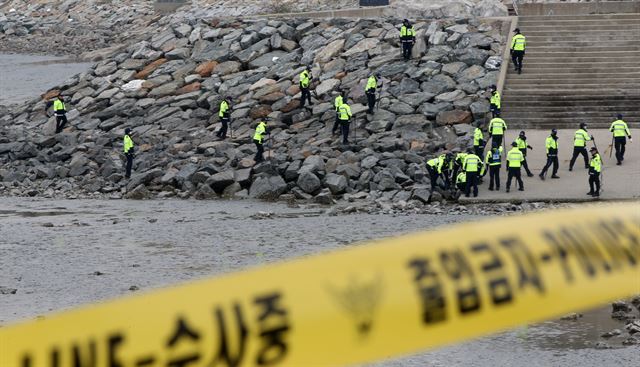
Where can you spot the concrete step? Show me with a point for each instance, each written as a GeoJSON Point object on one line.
{"type": "Point", "coordinates": [577, 38]}
{"type": "Point", "coordinates": [552, 107]}
{"type": "Point", "coordinates": [572, 94]}
{"type": "Point", "coordinates": [576, 72]}
{"type": "Point", "coordinates": [576, 114]}
{"type": "Point", "coordinates": [612, 54]}
{"type": "Point", "coordinates": [536, 123]}
{"type": "Point", "coordinates": [572, 18]}
{"type": "Point", "coordinates": [592, 64]}
{"type": "Point", "coordinates": [584, 83]}
{"type": "Point", "coordinates": [586, 31]}
{"type": "Point", "coordinates": [525, 24]}
{"type": "Point", "coordinates": [604, 45]}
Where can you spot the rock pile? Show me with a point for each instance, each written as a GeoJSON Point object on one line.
{"type": "Point", "coordinates": [72, 27]}
{"type": "Point", "coordinates": [168, 86]}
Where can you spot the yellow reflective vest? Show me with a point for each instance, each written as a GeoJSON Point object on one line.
{"type": "Point", "coordinates": [497, 126]}
{"type": "Point", "coordinates": [58, 106]}
{"type": "Point", "coordinates": [407, 32]}
{"type": "Point", "coordinates": [552, 145]}
{"type": "Point", "coordinates": [619, 128]}
{"type": "Point", "coordinates": [478, 137]}
{"type": "Point", "coordinates": [372, 84]}
{"type": "Point", "coordinates": [224, 107]}
{"type": "Point", "coordinates": [344, 112]}
{"type": "Point", "coordinates": [495, 99]}
{"type": "Point", "coordinates": [518, 43]}
{"type": "Point", "coordinates": [581, 138]}
{"type": "Point", "coordinates": [128, 144]}
{"type": "Point", "coordinates": [461, 178]}
{"type": "Point", "coordinates": [472, 163]}
{"type": "Point", "coordinates": [338, 102]}
{"type": "Point", "coordinates": [261, 129]}
{"type": "Point", "coordinates": [596, 163]}
{"type": "Point", "coordinates": [305, 79]}
{"type": "Point", "coordinates": [515, 158]}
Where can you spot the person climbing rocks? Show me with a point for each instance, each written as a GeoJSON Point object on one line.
{"type": "Point", "coordinates": [305, 85]}
{"type": "Point", "coordinates": [494, 101]}
{"type": "Point", "coordinates": [478, 140]}
{"type": "Point", "coordinates": [518, 45]}
{"type": "Point", "coordinates": [344, 112]}
{"type": "Point", "coordinates": [224, 113]}
{"type": "Point", "coordinates": [258, 140]}
{"type": "Point", "coordinates": [60, 111]}
{"type": "Point", "coordinates": [337, 103]}
{"type": "Point", "coordinates": [370, 91]}
{"type": "Point", "coordinates": [128, 151]}
{"type": "Point", "coordinates": [407, 38]}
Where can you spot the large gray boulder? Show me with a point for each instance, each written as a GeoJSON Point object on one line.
{"type": "Point", "coordinates": [308, 182]}
{"type": "Point", "coordinates": [267, 187]}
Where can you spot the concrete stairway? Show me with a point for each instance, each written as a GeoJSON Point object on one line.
{"type": "Point", "coordinates": [583, 68]}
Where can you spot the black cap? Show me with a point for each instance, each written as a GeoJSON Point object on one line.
{"type": "Point", "coordinates": [583, 125]}
{"type": "Point", "coordinates": [554, 131]}
{"type": "Point", "coordinates": [514, 144]}
{"type": "Point", "coordinates": [594, 149]}
{"type": "Point", "coordinates": [517, 30]}
{"type": "Point", "coordinates": [522, 133]}
{"type": "Point", "coordinates": [492, 87]}
{"type": "Point", "coordinates": [127, 131]}
{"type": "Point", "coordinates": [619, 116]}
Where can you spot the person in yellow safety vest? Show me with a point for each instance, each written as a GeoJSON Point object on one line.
{"type": "Point", "coordinates": [337, 103]}
{"type": "Point", "coordinates": [518, 45]}
{"type": "Point", "coordinates": [514, 162]}
{"type": "Point", "coordinates": [620, 132]}
{"type": "Point", "coordinates": [344, 112]}
{"type": "Point", "coordinates": [457, 163]}
{"type": "Point", "coordinates": [60, 111]}
{"type": "Point", "coordinates": [580, 139]}
{"type": "Point", "coordinates": [595, 168]}
{"type": "Point", "coordinates": [439, 166]}
{"type": "Point", "coordinates": [128, 151]}
{"type": "Point", "coordinates": [523, 146]}
{"type": "Point", "coordinates": [224, 114]}
{"type": "Point", "coordinates": [407, 38]}
{"type": "Point", "coordinates": [493, 160]}
{"type": "Point", "coordinates": [494, 101]}
{"type": "Point", "coordinates": [461, 181]}
{"type": "Point", "coordinates": [497, 127]}
{"type": "Point", "coordinates": [258, 140]}
{"type": "Point", "coordinates": [472, 166]}
{"type": "Point", "coordinates": [552, 155]}
{"type": "Point", "coordinates": [370, 90]}
{"type": "Point", "coordinates": [478, 141]}
{"type": "Point", "coordinates": [305, 84]}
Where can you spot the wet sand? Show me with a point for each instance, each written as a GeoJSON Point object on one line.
{"type": "Point", "coordinates": [63, 253]}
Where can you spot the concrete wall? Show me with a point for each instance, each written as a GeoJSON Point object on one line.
{"type": "Point", "coordinates": [167, 6]}
{"type": "Point", "coordinates": [594, 7]}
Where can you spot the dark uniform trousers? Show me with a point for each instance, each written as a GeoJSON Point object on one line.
{"type": "Point", "coordinates": [336, 124]}
{"type": "Point", "coordinates": [577, 151]}
{"type": "Point", "coordinates": [129, 157]}
{"type": "Point", "coordinates": [306, 95]}
{"type": "Point", "coordinates": [620, 142]}
{"type": "Point", "coordinates": [222, 133]}
{"type": "Point", "coordinates": [61, 121]}
{"type": "Point", "coordinates": [479, 149]}
{"type": "Point", "coordinates": [514, 172]}
{"type": "Point", "coordinates": [524, 163]}
{"type": "Point", "coordinates": [594, 180]}
{"type": "Point", "coordinates": [494, 177]}
{"type": "Point", "coordinates": [495, 111]}
{"type": "Point", "coordinates": [472, 181]}
{"type": "Point", "coordinates": [496, 140]}
{"type": "Point", "coordinates": [517, 57]}
{"type": "Point", "coordinates": [260, 145]}
{"type": "Point", "coordinates": [433, 176]}
{"type": "Point", "coordinates": [407, 47]}
{"type": "Point", "coordinates": [552, 158]}
{"type": "Point", "coordinates": [344, 127]}
{"type": "Point", "coordinates": [371, 100]}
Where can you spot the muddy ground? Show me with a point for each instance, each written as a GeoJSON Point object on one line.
{"type": "Point", "coordinates": [60, 254]}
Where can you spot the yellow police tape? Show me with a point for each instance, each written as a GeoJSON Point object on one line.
{"type": "Point", "coordinates": [361, 304]}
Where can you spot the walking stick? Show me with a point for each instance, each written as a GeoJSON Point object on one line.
{"type": "Point", "coordinates": [601, 164]}
{"type": "Point", "coordinates": [379, 97]}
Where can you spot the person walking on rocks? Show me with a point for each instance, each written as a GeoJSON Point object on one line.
{"type": "Point", "coordinates": [518, 45]}
{"type": "Point", "coordinates": [407, 38]}
{"type": "Point", "coordinates": [337, 103]}
{"type": "Point", "coordinates": [258, 140]}
{"type": "Point", "coordinates": [493, 161]}
{"type": "Point", "coordinates": [370, 91]}
{"type": "Point", "coordinates": [552, 155]}
{"type": "Point", "coordinates": [521, 140]}
{"type": "Point", "coordinates": [128, 152]}
{"type": "Point", "coordinates": [580, 139]}
{"type": "Point", "coordinates": [224, 114]}
{"type": "Point", "coordinates": [344, 112]}
{"type": "Point", "coordinates": [595, 168]}
{"type": "Point", "coordinates": [497, 127]}
{"type": "Point", "coordinates": [514, 162]}
{"type": "Point", "coordinates": [478, 141]}
{"type": "Point", "coordinates": [305, 84]}
{"type": "Point", "coordinates": [60, 111]}
{"type": "Point", "coordinates": [620, 132]}
{"type": "Point", "coordinates": [494, 101]}
{"type": "Point", "coordinates": [472, 166]}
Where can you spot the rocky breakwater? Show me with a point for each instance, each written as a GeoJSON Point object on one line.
{"type": "Point", "coordinates": [72, 27]}
{"type": "Point", "coordinates": [167, 88]}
